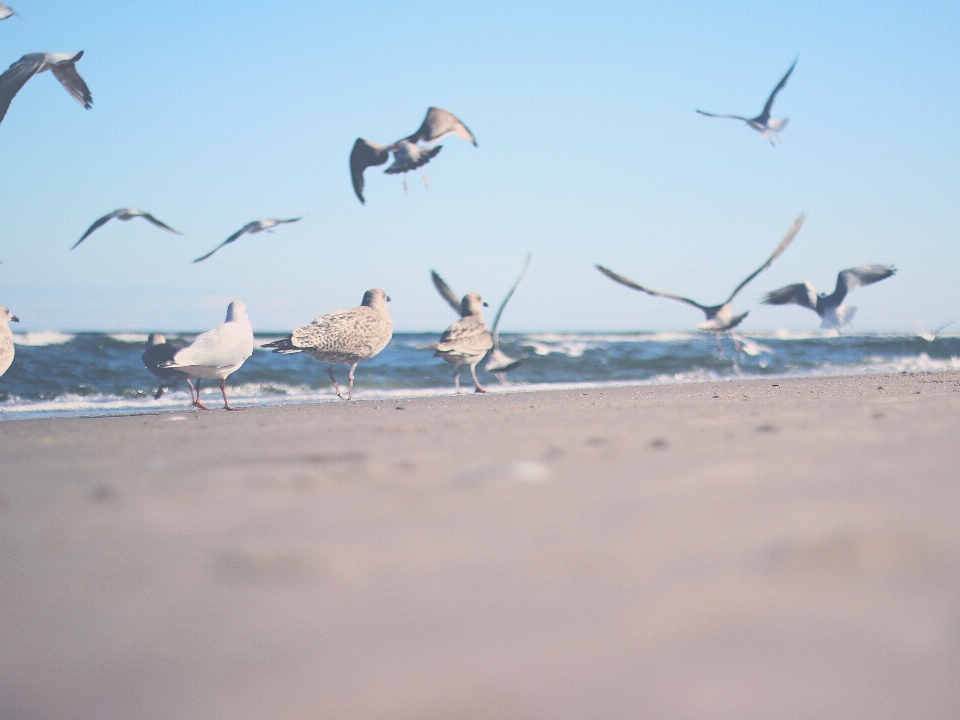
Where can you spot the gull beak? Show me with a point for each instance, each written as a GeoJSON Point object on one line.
{"type": "Point", "coordinates": [14, 318]}
{"type": "Point", "coordinates": [485, 304]}
{"type": "Point", "coordinates": [388, 298]}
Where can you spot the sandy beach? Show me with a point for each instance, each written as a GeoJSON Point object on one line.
{"type": "Point", "coordinates": [746, 549]}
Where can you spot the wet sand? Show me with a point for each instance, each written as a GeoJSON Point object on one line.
{"type": "Point", "coordinates": [746, 549]}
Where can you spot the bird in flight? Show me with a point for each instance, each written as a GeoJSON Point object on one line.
{"type": "Point", "coordinates": [7, 11]}
{"type": "Point", "coordinates": [252, 228]}
{"type": "Point", "coordinates": [768, 127]}
{"type": "Point", "coordinates": [830, 307]}
{"type": "Point", "coordinates": [63, 66]}
{"type": "Point", "coordinates": [720, 318]}
{"type": "Point", "coordinates": [498, 362]}
{"type": "Point", "coordinates": [408, 154]}
{"type": "Point", "coordinates": [124, 214]}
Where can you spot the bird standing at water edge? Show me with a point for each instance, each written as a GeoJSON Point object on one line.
{"type": "Point", "coordinates": [63, 67]}
{"type": "Point", "coordinates": [217, 353]}
{"type": "Point", "coordinates": [160, 351]}
{"type": "Point", "coordinates": [346, 337]}
{"type": "Point", "coordinates": [467, 341]}
{"type": "Point", "coordinates": [6, 338]}
{"type": "Point", "coordinates": [763, 123]}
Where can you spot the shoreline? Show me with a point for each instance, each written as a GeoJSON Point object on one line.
{"type": "Point", "coordinates": [729, 549]}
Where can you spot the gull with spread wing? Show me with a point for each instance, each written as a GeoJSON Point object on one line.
{"type": "Point", "coordinates": [124, 214]}
{"type": "Point", "coordinates": [6, 11]}
{"type": "Point", "coordinates": [720, 318]}
{"type": "Point", "coordinates": [765, 125]}
{"type": "Point", "coordinates": [63, 67]}
{"type": "Point", "coordinates": [252, 228]}
{"type": "Point", "coordinates": [830, 307]}
{"type": "Point", "coordinates": [407, 153]}
{"type": "Point", "coordinates": [498, 362]}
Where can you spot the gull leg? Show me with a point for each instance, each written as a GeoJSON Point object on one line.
{"type": "Point", "coordinates": [426, 183]}
{"type": "Point", "coordinates": [456, 378]}
{"type": "Point", "coordinates": [473, 373]}
{"type": "Point", "coordinates": [405, 188]}
{"type": "Point", "coordinates": [223, 391]}
{"type": "Point", "coordinates": [350, 390]}
{"type": "Point", "coordinates": [334, 380]}
{"type": "Point", "coordinates": [719, 346]}
{"type": "Point", "coordinates": [196, 400]}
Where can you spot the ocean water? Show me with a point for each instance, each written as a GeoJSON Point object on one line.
{"type": "Point", "coordinates": [64, 374]}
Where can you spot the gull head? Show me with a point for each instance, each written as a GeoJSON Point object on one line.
{"type": "Point", "coordinates": [236, 311]}
{"type": "Point", "coordinates": [472, 304]}
{"type": "Point", "coordinates": [7, 316]}
{"type": "Point", "coordinates": [375, 298]}
{"type": "Point", "coordinates": [155, 339]}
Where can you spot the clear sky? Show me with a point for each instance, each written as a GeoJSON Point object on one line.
{"type": "Point", "coordinates": [212, 114]}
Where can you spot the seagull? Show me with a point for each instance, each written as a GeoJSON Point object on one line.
{"type": "Point", "coordinates": [253, 228]}
{"type": "Point", "coordinates": [720, 318]}
{"type": "Point", "coordinates": [407, 154]}
{"type": "Point", "coordinates": [160, 351]}
{"type": "Point", "coordinates": [830, 307]}
{"type": "Point", "coordinates": [467, 341]}
{"type": "Point", "coordinates": [124, 214]}
{"type": "Point", "coordinates": [763, 123]}
{"type": "Point", "coordinates": [929, 335]}
{"type": "Point", "coordinates": [498, 362]}
{"type": "Point", "coordinates": [347, 336]}
{"type": "Point", "coordinates": [216, 353]}
{"type": "Point", "coordinates": [6, 338]}
{"type": "Point", "coordinates": [7, 11]}
{"type": "Point", "coordinates": [64, 69]}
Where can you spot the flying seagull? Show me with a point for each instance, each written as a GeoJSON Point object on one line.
{"type": "Point", "coordinates": [124, 214]}
{"type": "Point", "coordinates": [498, 362]}
{"type": "Point", "coordinates": [830, 307]}
{"type": "Point", "coordinates": [467, 341]}
{"type": "Point", "coordinates": [407, 153]}
{"type": "Point", "coordinates": [253, 228]}
{"type": "Point", "coordinates": [765, 125]}
{"type": "Point", "coordinates": [930, 335]}
{"type": "Point", "coordinates": [216, 353]}
{"type": "Point", "coordinates": [64, 69]}
{"type": "Point", "coordinates": [347, 336]}
{"type": "Point", "coordinates": [720, 318]}
{"type": "Point", "coordinates": [7, 11]}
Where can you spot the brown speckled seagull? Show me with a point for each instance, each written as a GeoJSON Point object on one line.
{"type": "Point", "coordinates": [407, 153]}
{"type": "Point", "coordinates": [467, 341]}
{"type": "Point", "coordinates": [347, 337]}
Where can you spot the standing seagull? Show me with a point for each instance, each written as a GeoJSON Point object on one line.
{"type": "Point", "coordinates": [64, 69]}
{"type": "Point", "coordinates": [763, 123]}
{"type": "Point", "coordinates": [498, 362]}
{"type": "Point", "coordinates": [347, 337]}
{"type": "Point", "coordinates": [720, 318]}
{"type": "Point", "coordinates": [160, 351]}
{"type": "Point", "coordinates": [7, 11]}
{"type": "Point", "coordinates": [217, 353]}
{"type": "Point", "coordinates": [830, 307]}
{"type": "Point", "coordinates": [467, 341]}
{"type": "Point", "coordinates": [407, 154]}
{"type": "Point", "coordinates": [6, 338]}
{"type": "Point", "coordinates": [124, 214]}
{"type": "Point", "coordinates": [253, 228]}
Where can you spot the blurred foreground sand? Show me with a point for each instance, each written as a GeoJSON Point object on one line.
{"type": "Point", "coordinates": [752, 549]}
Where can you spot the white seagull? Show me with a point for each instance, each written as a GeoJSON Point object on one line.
{"type": "Point", "coordinates": [6, 338]}
{"type": "Point", "coordinates": [407, 154]}
{"type": "Point", "coordinates": [765, 125]}
{"type": "Point", "coordinates": [252, 228]}
{"type": "Point", "coordinates": [830, 307]}
{"type": "Point", "coordinates": [930, 335]}
{"type": "Point", "coordinates": [720, 318]}
{"type": "Point", "coordinates": [63, 66]}
{"type": "Point", "coordinates": [217, 353]}
{"type": "Point", "coordinates": [7, 11]}
{"type": "Point", "coordinates": [124, 214]}
{"type": "Point", "coordinates": [498, 362]}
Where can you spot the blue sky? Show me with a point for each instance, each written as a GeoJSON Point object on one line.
{"type": "Point", "coordinates": [213, 114]}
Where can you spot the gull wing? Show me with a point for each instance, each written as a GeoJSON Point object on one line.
{"type": "Point", "coordinates": [445, 292]}
{"type": "Point", "coordinates": [513, 288]}
{"type": "Point", "coordinates": [66, 73]}
{"type": "Point", "coordinates": [656, 293]}
{"type": "Point", "coordinates": [223, 346]}
{"type": "Point", "coordinates": [802, 294]}
{"type": "Point", "coordinates": [246, 228]}
{"type": "Point", "coordinates": [98, 224]}
{"type": "Point", "coordinates": [364, 155]}
{"type": "Point", "coordinates": [731, 117]}
{"type": "Point", "coordinates": [15, 77]}
{"type": "Point", "coordinates": [440, 122]}
{"type": "Point", "coordinates": [151, 218]}
{"type": "Point", "coordinates": [787, 239]}
{"type": "Point", "coordinates": [861, 275]}
{"type": "Point", "coordinates": [763, 117]}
